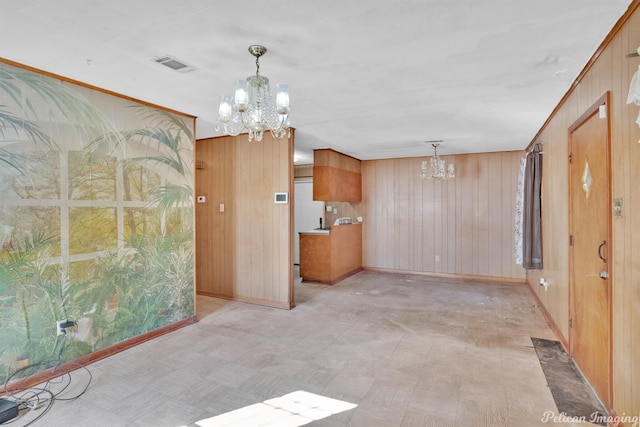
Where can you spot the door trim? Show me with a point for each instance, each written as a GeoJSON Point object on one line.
{"type": "Point", "coordinates": [590, 112]}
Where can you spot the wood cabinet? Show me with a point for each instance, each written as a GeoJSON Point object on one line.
{"type": "Point", "coordinates": [336, 177]}
{"type": "Point", "coordinates": [329, 258]}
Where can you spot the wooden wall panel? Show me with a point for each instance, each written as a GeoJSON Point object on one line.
{"type": "Point", "coordinates": [401, 222]}
{"type": "Point", "coordinates": [610, 71]}
{"type": "Point", "coordinates": [452, 197]}
{"type": "Point", "coordinates": [452, 227]}
{"type": "Point", "coordinates": [626, 333]}
{"type": "Point", "coordinates": [214, 230]}
{"type": "Point", "coordinates": [418, 217]}
{"type": "Point", "coordinates": [426, 239]}
{"type": "Point", "coordinates": [492, 233]}
{"type": "Point", "coordinates": [245, 252]}
{"type": "Point", "coordinates": [437, 238]}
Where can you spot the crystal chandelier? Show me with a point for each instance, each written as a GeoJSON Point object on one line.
{"type": "Point", "coordinates": [436, 168]}
{"type": "Point", "coordinates": [253, 109]}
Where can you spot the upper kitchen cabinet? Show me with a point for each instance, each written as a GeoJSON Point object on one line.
{"type": "Point", "coordinates": [336, 177]}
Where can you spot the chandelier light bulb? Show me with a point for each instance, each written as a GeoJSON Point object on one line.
{"type": "Point", "coordinates": [241, 103]}
{"type": "Point", "coordinates": [225, 109]}
{"type": "Point", "coordinates": [282, 98]}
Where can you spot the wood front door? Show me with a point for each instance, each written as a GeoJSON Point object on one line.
{"type": "Point", "coordinates": [590, 261]}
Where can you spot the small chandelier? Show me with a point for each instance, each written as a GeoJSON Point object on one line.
{"type": "Point", "coordinates": [436, 168]}
{"type": "Point", "coordinates": [253, 109]}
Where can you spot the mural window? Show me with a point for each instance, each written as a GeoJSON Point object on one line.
{"type": "Point", "coordinates": [22, 224]}
{"type": "Point", "coordinates": [91, 179]}
{"type": "Point", "coordinates": [92, 230]}
{"type": "Point", "coordinates": [35, 176]}
{"type": "Point", "coordinates": [82, 271]}
{"type": "Point", "coordinates": [139, 182]}
{"type": "Point", "coordinates": [140, 221]}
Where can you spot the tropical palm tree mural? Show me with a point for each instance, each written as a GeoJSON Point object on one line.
{"type": "Point", "coordinates": [96, 217]}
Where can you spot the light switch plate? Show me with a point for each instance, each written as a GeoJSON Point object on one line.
{"type": "Point", "coordinates": [201, 199]}
{"type": "Point", "coordinates": [329, 208]}
{"type": "Point", "coordinates": [617, 208]}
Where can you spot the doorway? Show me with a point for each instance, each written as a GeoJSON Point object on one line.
{"type": "Point", "coordinates": [589, 249]}
{"type": "Point", "coordinates": [307, 214]}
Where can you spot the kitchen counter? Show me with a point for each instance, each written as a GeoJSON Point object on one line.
{"type": "Point", "coordinates": [329, 256]}
{"type": "Point", "coordinates": [316, 231]}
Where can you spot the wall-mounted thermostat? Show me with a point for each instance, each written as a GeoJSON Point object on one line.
{"type": "Point", "coordinates": [281, 198]}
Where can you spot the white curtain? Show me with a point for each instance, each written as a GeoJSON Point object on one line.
{"type": "Point", "coordinates": [519, 212]}
{"type": "Point", "coordinates": [634, 90]}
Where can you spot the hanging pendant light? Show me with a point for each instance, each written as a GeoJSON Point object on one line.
{"type": "Point", "coordinates": [436, 168]}
{"type": "Point", "coordinates": [253, 109]}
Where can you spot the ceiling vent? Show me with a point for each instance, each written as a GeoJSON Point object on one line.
{"type": "Point", "coordinates": [174, 64]}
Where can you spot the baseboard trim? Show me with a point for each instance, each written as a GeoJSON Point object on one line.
{"type": "Point", "coordinates": [250, 300]}
{"type": "Point", "coordinates": [90, 358]}
{"type": "Point", "coordinates": [334, 281]}
{"type": "Point", "coordinates": [267, 303]}
{"type": "Point", "coordinates": [450, 275]}
{"type": "Point", "coordinates": [213, 294]}
{"type": "Point", "coordinates": [547, 316]}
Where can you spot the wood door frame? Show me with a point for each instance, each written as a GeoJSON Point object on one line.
{"type": "Point", "coordinates": [590, 112]}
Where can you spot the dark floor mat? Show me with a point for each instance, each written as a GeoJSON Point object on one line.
{"type": "Point", "coordinates": [573, 395]}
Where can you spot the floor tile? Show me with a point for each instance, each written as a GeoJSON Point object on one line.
{"type": "Point", "coordinates": [408, 350]}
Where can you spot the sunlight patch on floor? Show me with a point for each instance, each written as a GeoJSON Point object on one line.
{"type": "Point", "coordinates": [291, 410]}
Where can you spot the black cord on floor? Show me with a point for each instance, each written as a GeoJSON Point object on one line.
{"type": "Point", "coordinates": [42, 398]}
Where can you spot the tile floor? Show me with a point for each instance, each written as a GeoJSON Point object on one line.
{"type": "Point", "coordinates": [408, 350]}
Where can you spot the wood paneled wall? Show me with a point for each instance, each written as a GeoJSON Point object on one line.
{"type": "Point", "coordinates": [214, 230]}
{"type": "Point", "coordinates": [463, 226]}
{"type": "Point", "coordinates": [610, 70]}
{"type": "Point", "coordinates": [246, 252]}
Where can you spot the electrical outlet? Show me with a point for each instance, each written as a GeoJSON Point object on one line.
{"type": "Point", "coordinates": [544, 283]}
{"type": "Point", "coordinates": [59, 328]}
{"type": "Point", "coordinates": [62, 325]}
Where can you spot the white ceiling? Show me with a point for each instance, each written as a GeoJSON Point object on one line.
{"type": "Point", "coordinates": [370, 78]}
